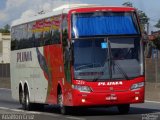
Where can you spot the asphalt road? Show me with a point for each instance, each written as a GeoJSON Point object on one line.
{"type": "Point", "coordinates": [10, 109]}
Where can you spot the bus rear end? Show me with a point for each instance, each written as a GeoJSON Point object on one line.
{"type": "Point", "coordinates": [107, 58]}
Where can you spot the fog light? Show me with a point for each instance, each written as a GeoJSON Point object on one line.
{"type": "Point", "coordinates": [83, 100]}
{"type": "Point", "coordinates": [136, 98]}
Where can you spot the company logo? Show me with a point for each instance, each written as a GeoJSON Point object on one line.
{"type": "Point", "coordinates": [24, 56]}
{"type": "Point", "coordinates": [110, 83]}
{"type": "Point", "coordinates": [101, 83]}
{"type": "Point", "coordinates": [115, 83]}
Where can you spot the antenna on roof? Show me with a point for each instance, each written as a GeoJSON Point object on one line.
{"type": "Point", "coordinates": [41, 12]}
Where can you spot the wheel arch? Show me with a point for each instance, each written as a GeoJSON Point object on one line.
{"type": "Point", "coordinates": [21, 87]}
{"type": "Point", "coordinates": [26, 87]}
{"type": "Point", "coordinates": [20, 92]}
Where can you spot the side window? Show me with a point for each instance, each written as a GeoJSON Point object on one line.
{"type": "Point", "coordinates": [55, 30]}
{"type": "Point", "coordinates": [13, 39]}
{"type": "Point", "coordinates": [47, 31]}
{"type": "Point", "coordinates": [36, 34]}
{"type": "Point", "coordinates": [19, 37]}
{"type": "Point", "coordinates": [23, 37]}
{"type": "Point", "coordinates": [31, 34]}
{"type": "Point", "coordinates": [16, 38]}
{"type": "Point", "coordinates": [64, 30]}
{"type": "Point", "coordinates": [38, 29]}
{"type": "Point", "coordinates": [66, 48]}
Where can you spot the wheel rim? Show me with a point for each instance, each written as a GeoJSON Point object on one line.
{"type": "Point", "coordinates": [60, 103]}
{"type": "Point", "coordinates": [27, 100]}
{"type": "Point", "coordinates": [60, 100]}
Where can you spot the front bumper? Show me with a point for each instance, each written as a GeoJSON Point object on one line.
{"type": "Point", "coordinates": [108, 98]}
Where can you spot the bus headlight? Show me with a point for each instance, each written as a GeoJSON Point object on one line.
{"type": "Point", "coordinates": [137, 86]}
{"type": "Point", "coordinates": [82, 88]}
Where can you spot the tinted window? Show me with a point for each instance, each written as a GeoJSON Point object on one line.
{"type": "Point", "coordinates": [36, 34]}
{"type": "Point", "coordinates": [104, 23]}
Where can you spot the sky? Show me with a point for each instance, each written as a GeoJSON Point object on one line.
{"type": "Point", "coordinates": [15, 9]}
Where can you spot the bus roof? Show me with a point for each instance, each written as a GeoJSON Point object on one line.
{"type": "Point", "coordinates": [58, 11]}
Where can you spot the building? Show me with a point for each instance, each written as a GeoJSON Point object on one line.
{"type": "Point", "coordinates": [154, 35]}
{"type": "Point", "coordinates": [5, 40]}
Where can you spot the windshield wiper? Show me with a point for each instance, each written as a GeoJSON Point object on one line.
{"type": "Point", "coordinates": [112, 63]}
{"type": "Point", "coordinates": [120, 69]}
{"type": "Point", "coordinates": [106, 61]}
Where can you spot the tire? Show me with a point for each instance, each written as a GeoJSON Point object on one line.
{"type": "Point", "coordinates": [26, 102]}
{"type": "Point", "coordinates": [63, 109]}
{"type": "Point", "coordinates": [20, 96]}
{"type": "Point", "coordinates": [124, 109]}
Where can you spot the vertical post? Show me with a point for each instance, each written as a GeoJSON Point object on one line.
{"type": "Point", "coordinates": [156, 68]}
{"type": "Point", "coordinates": [147, 38]}
{"type": "Point", "coordinates": [2, 71]}
{"type": "Point", "coordinates": [5, 70]}
{"type": "Point", "coordinates": [146, 49]}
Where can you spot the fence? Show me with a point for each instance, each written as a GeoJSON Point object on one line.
{"type": "Point", "coordinates": [153, 67]}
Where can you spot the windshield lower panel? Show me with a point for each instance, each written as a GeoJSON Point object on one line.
{"type": "Point", "coordinates": [98, 59]}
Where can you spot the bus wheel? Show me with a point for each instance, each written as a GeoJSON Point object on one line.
{"type": "Point", "coordinates": [124, 109]}
{"type": "Point", "coordinates": [26, 103]}
{"type": "Point", "coordinates": [63, 109]}
{"type": "Point", "coordinates": [20, 96]}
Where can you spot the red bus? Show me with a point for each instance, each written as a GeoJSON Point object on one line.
{"type": "Point", "coordinates": [78, 56]}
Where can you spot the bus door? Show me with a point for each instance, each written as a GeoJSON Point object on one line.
{"type": "Point", "coordinates": [66, 59]}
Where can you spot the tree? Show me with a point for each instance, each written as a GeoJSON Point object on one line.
{"type": "Point", "coordinates": [142, 16]}
{"type": "Point", "coordinates": [144, 20]}
{"type": "Point", "coordinates": [5, 29]}
{"type": "Point", "coordinates": [158, 24]}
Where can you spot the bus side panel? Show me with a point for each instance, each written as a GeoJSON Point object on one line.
{"type": "Point", "coordinates": [25, 68]}
{"type": "Point", "coordinates": [21, 73]}
{"type": "Point", "coordinates": [14, 77]}
{"type": "Point", "coordinates": [53, 56]}
{"type": "Point", "coordinates": [40, 84]}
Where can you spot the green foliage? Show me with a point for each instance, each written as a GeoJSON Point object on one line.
{"type": "Point", "coordinates": [142, 15]}
{"type": "Point", "coordinates": [158, 24]}
{"type": "Point", "coordinates": [5, 29]}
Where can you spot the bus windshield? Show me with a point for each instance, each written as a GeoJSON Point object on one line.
{"type": "Point", "coordinates": [90, 58]}
{"type": "Point", "coordinates": [117, 58]}
{"type": "Point", "coordinates": [104, 23]}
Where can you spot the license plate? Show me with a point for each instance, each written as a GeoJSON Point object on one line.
{"type": "Point", "coordinates": [111, 98]}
